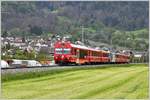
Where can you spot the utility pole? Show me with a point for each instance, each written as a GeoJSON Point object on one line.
{"type": "Point", "coordinates": [126, 42]}
{"type": "Point", "coordinates": [82, 33]}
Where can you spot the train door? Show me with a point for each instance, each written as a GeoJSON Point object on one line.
{"type": "Point", "coordinates": [78, 56]}
{"type": "Point", "coordinates": [88, 55]}
{"type": "Point", "coordinates": [113, 57]}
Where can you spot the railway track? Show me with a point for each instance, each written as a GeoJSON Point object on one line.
{"type": "Point", "coordinates": [27, 67]}
{"type": "Point", "coordinates": [51, 66]}
{"type": "Point", "coordinates": [41, 68]}
{"type": "Point", "coordinates": [44, 68]}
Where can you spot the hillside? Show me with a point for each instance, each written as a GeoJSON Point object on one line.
{"type": "Point", "coordinates": [104, 22]}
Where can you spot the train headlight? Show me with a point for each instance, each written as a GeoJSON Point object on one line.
{"type": "Point", "coordinates": [62, 56]}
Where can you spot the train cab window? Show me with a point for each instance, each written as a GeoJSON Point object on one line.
{"type": "Point", "coordinates": [66, 50]}
{"type": "Point", "coordinates": [58, 50]}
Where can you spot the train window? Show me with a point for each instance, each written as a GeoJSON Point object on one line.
{"type": "Point", "coordinates": [117, 56]}
{"type": "Point", "coordinates": [67, 50]}
{"type": "Point", "coordinates": [110, 55]}
{"type": "Point", "coordinates": [58, 50]}
{"type": "Point", "coordinates": [105, 55]}
{"type": "Point", "coordinates": [75, 51]}
{"type": "Point", "coordinates": [94, 53]}
{"type": "Point", "coordinates": [72, 50]}
{"type": "Point", "coordinates": [83, 53]}
{"type": "Point", "coordinates": [100, 54]}
{"type": "Point", "coordinates": [97, 54]}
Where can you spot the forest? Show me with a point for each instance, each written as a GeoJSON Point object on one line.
{"type": "Point", "coordinates": [116, 23]}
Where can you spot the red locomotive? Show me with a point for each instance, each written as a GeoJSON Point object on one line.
{"type": "Point", "coordinates": [67, 53]}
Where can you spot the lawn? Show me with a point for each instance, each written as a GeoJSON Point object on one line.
{"type": "Point", "coordinates": [109, 82]}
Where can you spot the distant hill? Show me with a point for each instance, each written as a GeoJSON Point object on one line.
{"type": "Point", "coordinates": [102, 21]}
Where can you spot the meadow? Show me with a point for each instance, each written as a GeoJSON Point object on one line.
{"type": "Point", "coordinates": [128, 81]}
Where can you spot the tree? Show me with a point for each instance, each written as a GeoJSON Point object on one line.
{"type": "Point", "coordinates": [5, 34]}
{"type": "Point", "coordinates": [36, 30]}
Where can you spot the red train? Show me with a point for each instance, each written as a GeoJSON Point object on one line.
{"type": "Point", "coordinates": [67, 53]}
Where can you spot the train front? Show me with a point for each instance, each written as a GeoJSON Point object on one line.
{"type": "Point", "coordinates": [62, 52]}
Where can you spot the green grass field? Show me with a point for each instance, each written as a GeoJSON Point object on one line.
{"type": "Point", "coordinates": [127, 81]}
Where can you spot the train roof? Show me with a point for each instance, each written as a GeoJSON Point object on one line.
{"type": "Point", "coordinates": [122, 54]}
{"type": "Point", "coordinates": [86, 48]}
{"type": "Point", "coordinates": [81, 46]}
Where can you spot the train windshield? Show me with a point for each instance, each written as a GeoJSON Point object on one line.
{"type": "Point", "coordinates": [66, 51]}
{"type": "Point", "coordinates": [62, 51]}
{"type": "Point", "coordinates": [58, 50]}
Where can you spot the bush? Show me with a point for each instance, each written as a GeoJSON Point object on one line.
{"type": "Point", "coordinates": [43, 57]}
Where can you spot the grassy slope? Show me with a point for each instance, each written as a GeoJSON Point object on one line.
{"type": "Point", "coordinates": [112, 82]}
